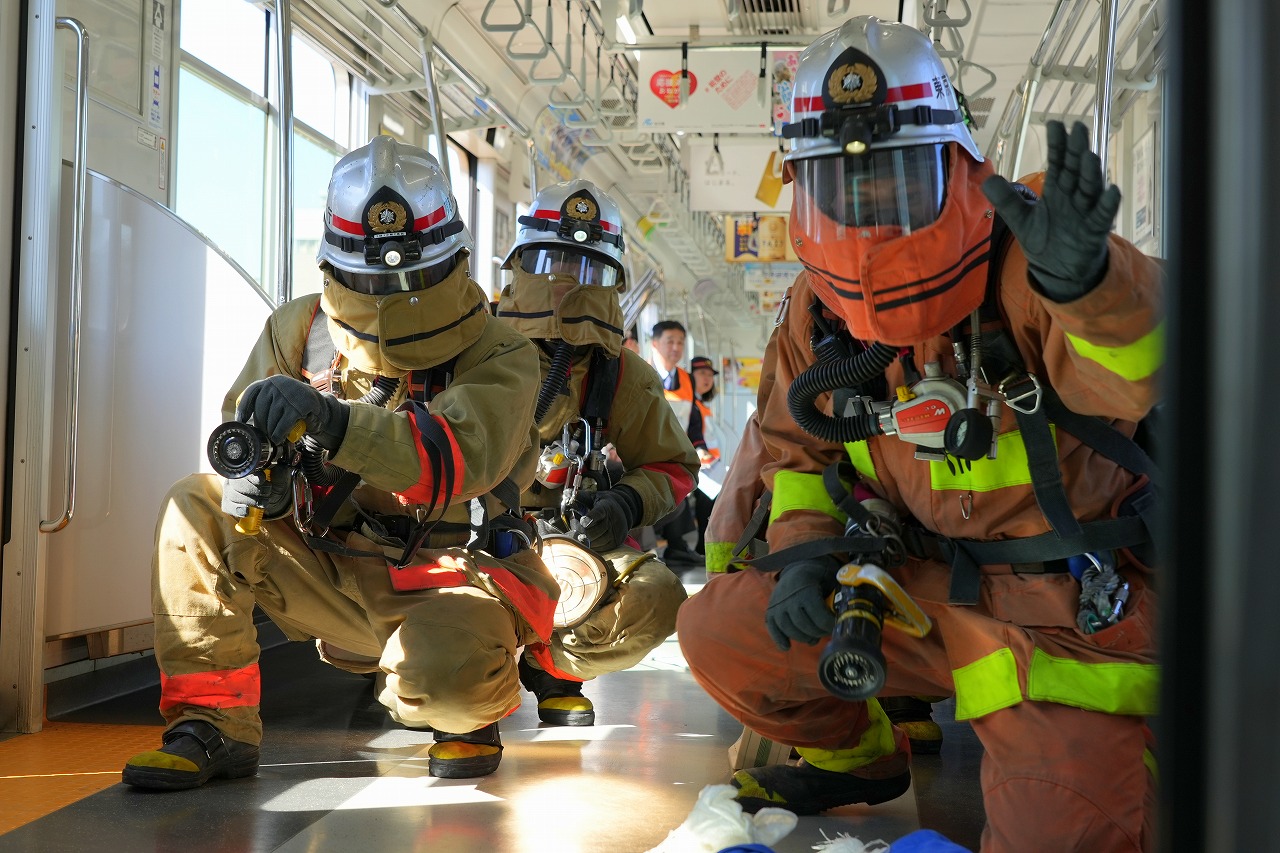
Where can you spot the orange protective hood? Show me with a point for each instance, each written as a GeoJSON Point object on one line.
{"type": "Point", "coordinates": [903, 290]}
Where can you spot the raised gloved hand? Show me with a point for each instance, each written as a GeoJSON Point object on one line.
{"type": "Point", "coordinates": [271, 495]}
{"type": "Point", "coordinates": [798, 607]}
{"type": "Point", "coordinates": [278, 402]}
{"type": "Point", "coordinates": [606, 517]}
{"type": "Point", "coordinates": [1064, 233]}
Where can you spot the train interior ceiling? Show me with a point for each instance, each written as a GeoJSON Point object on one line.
{"type": "Point", "coordinates": [169, 213]}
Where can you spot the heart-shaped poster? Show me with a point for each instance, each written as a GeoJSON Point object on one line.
{"type": "Point", "coordinates": [666, 85]}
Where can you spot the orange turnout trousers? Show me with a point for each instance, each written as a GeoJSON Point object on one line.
{"type": "Point", "coordinates": [1088, 783]}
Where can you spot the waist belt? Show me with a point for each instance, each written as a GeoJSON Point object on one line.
{"type": "Point", "coordinates": [1041, 554]}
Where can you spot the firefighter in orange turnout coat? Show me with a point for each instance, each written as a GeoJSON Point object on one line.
{"type": "Point", "coordinates": [1024, 542]}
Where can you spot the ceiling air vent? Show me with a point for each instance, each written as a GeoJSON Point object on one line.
{"type": "Point", "coordinates": [764, 17]}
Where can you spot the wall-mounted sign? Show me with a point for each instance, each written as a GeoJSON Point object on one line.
{"type": "Point", "coordinates": [724, 92]}
{"type": "Point", "coordinates": [757, 238]}
{"type": "Point", "coordinates": [744, 176]}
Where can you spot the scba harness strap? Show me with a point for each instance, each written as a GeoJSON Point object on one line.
{"type": "Point", "coordinates": [1131, 529]}
{"type": "Point", "coordinates": [320, 359]}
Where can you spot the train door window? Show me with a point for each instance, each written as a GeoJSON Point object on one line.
{"type": "Point", "coordinates": [229, 36]}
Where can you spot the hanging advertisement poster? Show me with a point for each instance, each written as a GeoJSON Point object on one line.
{"type": "Point", "coordinates": [757, 238]}
{"type": "Point", "coordinates": [783, 64]}
{"type": "Point", "coordinates": [563, 153]}
{"type": "Point", "coordinates": [769, 277]}
{"type": "Point", "coordinates": [742, 372]}
{"type": "Point", "coordinates": [735, 174]}
{"type": "Point", "coordinates": [726, 92]}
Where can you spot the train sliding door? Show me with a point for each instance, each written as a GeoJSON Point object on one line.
{"type": "Point", "coordinates": [129, 327]}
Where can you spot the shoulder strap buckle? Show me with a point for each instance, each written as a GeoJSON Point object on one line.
{"type": "Point", "coordinates": [1022, 392]}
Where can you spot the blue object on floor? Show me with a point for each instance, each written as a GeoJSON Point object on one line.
{"type": "Point", "coordinates": [925, 841]}
{"type": "Point", "coordinates": [748, 848]}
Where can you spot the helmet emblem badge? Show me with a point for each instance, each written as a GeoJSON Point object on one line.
{"type": "Point", "coordinates": [852, 83]}
{"type": "Point", "coordinates": [581, 208]}
{"type": "Point", "coordinates": [386, 216]}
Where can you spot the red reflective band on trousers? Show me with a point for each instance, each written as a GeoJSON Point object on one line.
{"type": "Point", "coordinates": [222, 688]}
{"type": "Point", "coordinates": [537, 609]}
{"type": "Point", "coordinates": [1054, 777]}
{"type": "Point", "coordinates": [541, 652]}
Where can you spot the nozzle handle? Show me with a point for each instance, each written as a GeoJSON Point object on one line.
{"type": "Point", "coordinates": [251, 523]}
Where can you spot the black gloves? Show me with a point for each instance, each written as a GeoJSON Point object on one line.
{"type": "Point", "coordinates": [798, 607]}
{"type": "Point", "coordinates": [1064, 234]}
{"type": "Point", "coordinates": [278, 402]}
{"type": "Point", "coordinates": [606, 517]}
{"type": "Point", "coordinates": [272, 495]}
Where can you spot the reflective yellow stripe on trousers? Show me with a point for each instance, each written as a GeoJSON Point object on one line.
{"type": "Point", "coordinates": [991, 683]}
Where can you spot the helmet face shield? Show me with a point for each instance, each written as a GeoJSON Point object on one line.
{"type": "Point", "coordinates": [582, 221]}
{"type": "Point", "coordinates": [888, 192]}
{"type": "Point", "coordinates": [585, 268]}
{"type": "Point", "coordinates": [386, 283]}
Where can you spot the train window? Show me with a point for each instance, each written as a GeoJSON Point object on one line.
{"type": "Point", "coordinates": [312, 165]}
{"type": "Point", "coordinates": [219, 187]}
{"type": "Point", "coordinates": [227, 190]}
{"type": "Point", "coordinates": [321, 92]}
{"type": "Point", "coordinates": [230, 36]}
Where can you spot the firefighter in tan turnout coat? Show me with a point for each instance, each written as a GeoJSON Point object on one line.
{"type": "Point", "coordinates": [417, 405]}
{"type": "Point", "coordinates": [617, 604]}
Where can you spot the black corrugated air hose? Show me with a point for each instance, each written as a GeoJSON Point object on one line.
{"type": "Point", "coordinates": [317, 470]}
{"type": "Point", "coordinates": [828, 376]}
{"type": "Point", "coordinates": [557, 376]}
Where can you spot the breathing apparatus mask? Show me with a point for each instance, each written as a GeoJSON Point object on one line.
{"type": "Point", "coordinates": [392, 233]}
{"type": "Point", "coordinates": [396, 281]}
{"type": "Point", "coordinates": [891, 224]}
{"type": "Point", "coordinates": [567, 271]}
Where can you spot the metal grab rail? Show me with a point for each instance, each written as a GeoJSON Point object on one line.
{"type": "Point", "coordinates": [77, 269]}
{"type": "Point", "coordinates": [284, 73]}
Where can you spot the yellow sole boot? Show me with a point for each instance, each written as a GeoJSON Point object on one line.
{"type": "Point", "coordinates": [193, 752]}
{"type": "Point", "coordinates": [465, 756]}
{"type": "Point", "coordinates": [560, 702]}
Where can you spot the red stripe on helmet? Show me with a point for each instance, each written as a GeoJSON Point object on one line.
{"type": "Point", "coordinates": [346, 225]}
{"type": "Point", "coordinates": [609, 226]}
{"type": "Point", "coordinates": [914, 92]}
{"type": "Point", "coordinates": [547, 214]}
{"type": "Point", "coordinates": [424, 222]}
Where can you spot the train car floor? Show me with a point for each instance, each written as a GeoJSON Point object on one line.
{"type": "Point", "coordinates": [338, 774]}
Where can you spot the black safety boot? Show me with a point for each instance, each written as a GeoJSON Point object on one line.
{"type": "Point", "coordinates": [560, 702]}
{"type": "Point", "coordinates": [464, 756]}
{"type": "Point", "coordinates": [193, 752]}
{"type": "Point", "coordinates": [807, 790]}
{"type": "Point", "coordinates": [913, 714]}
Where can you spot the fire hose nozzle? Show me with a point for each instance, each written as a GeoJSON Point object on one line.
{"type": "Point", "coordinates": [852, 665]}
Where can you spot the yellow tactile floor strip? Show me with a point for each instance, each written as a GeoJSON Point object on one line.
{"type": "Point", "coordinates": [65, 762]}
